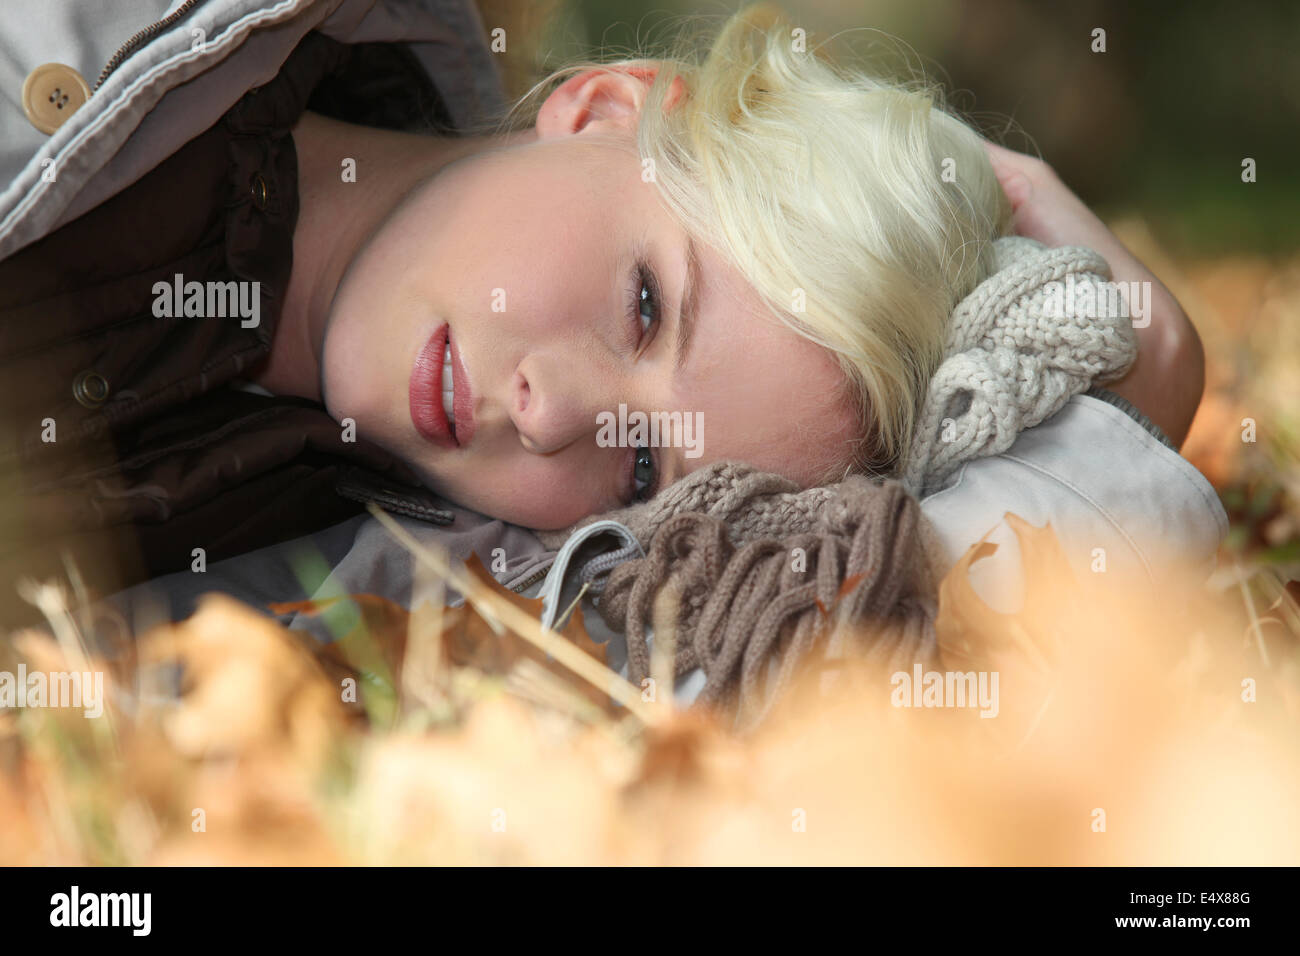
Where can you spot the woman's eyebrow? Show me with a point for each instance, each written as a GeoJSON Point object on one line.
{"type": "Point", "coordinates": [686, 307]}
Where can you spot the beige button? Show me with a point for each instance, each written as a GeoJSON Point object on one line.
{"type": "Point", "coordinates": [51, 93]}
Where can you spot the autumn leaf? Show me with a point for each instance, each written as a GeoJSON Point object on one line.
{"type": "Point", "coordinates": [370, 653]}
{"type": "Point", "coordinates": [676, 752]}
{"type": "Point", "coordinates": [968, 628]}
{"type": "Point", "coordinates": [247, 685]}
{"type": "Point", "coordinates": [468, 640]}
{"type": "Point", "coordinates": [373, 650]}
{"type": "Point", "coordinates": [574, 629]}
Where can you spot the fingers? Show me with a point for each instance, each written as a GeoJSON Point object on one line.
{"type": "Point", "coordinates": [1009, 168]}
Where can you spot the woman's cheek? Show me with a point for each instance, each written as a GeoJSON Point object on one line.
{"type": "Point", "coordinates": [546, 504]}
{"type": "Point", "coordinates": [361, 392]}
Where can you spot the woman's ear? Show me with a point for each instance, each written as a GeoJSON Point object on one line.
{"type": "Point", "coordinates": [608, 98]}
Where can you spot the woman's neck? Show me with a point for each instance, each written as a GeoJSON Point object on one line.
{"type": "Point", "coordinates": [339, 205]}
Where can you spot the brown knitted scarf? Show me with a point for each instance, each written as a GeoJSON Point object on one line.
{"type": "Point", "coordinates": [752, 606]}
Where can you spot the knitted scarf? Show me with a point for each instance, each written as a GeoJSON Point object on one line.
{"type": "Point", "coordinates": [751, 607]}
{"type": "Point", "coordinates": [724, 537]}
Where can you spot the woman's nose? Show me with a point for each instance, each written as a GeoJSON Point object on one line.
{"type": "Point", "coordinates": [553, 405]}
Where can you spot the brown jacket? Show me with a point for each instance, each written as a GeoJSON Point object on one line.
{"type": "Point", "coordinates": [123, 445]}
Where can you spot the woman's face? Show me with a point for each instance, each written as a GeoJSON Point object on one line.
{"type": "Point", "coordinates": [559, 277]}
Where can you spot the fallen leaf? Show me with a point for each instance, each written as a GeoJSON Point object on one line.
{"type": "Point", "coordinates": [373, 651]}
{"type": "Point", "coordinates": [370, 653]}
{"type": "Point", "coordinates": [574, 629]}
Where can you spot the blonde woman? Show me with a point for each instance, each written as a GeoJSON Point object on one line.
{"type": "Point", "coordinates": [755, 239]}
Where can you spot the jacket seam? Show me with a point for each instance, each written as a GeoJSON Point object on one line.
{"type": "Point", "coordinates": [216, 48]}
{"type": "Point", "coordinates": [1179, 466]}
{"type": "Point", "coordinates": [961, 477]}
{"type": "Point", "coordinates": [392, 502]}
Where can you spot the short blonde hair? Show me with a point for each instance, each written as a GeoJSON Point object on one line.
{"type": "Point", "coordinates": [862, 196]}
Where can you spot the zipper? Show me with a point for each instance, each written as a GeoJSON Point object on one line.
{"type": "Point", "coordinates": [148, 33]}
{"type": "Point", "coordinates": [532, 579]}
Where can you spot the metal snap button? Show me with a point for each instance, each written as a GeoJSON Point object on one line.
{"type": "Point", "coordinates": [51, 93]}
{"type": "Point", "coordinates": [257, 187]}
{"type": "Point", "coordinates": [90, 389]}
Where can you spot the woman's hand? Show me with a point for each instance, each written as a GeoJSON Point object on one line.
{"type": "Point", "coordinates": [1167, 379]}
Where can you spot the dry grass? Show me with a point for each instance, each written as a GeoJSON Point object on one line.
{"type": "Point", "coordinates": [1126, 703]}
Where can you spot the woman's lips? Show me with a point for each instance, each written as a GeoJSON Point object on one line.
{"type": "Point", "coordinates": [425, 392]}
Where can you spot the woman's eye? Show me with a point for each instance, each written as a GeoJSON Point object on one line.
{"type": "Point", "coordinates": [643, 312]}
{"type": "Point", "coordinates": [644, 305]}
{"type": "Point", "coordinates": [643, 475]}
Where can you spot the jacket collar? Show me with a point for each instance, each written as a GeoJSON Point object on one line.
{"type": "Point", "coordinates": [366, 487]}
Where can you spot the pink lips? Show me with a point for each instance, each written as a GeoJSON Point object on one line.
{"type": "Point", "coordinates": [426, 394]}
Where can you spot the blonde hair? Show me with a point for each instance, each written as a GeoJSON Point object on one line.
{"type": "Point", "coordinates": [863, 195]}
